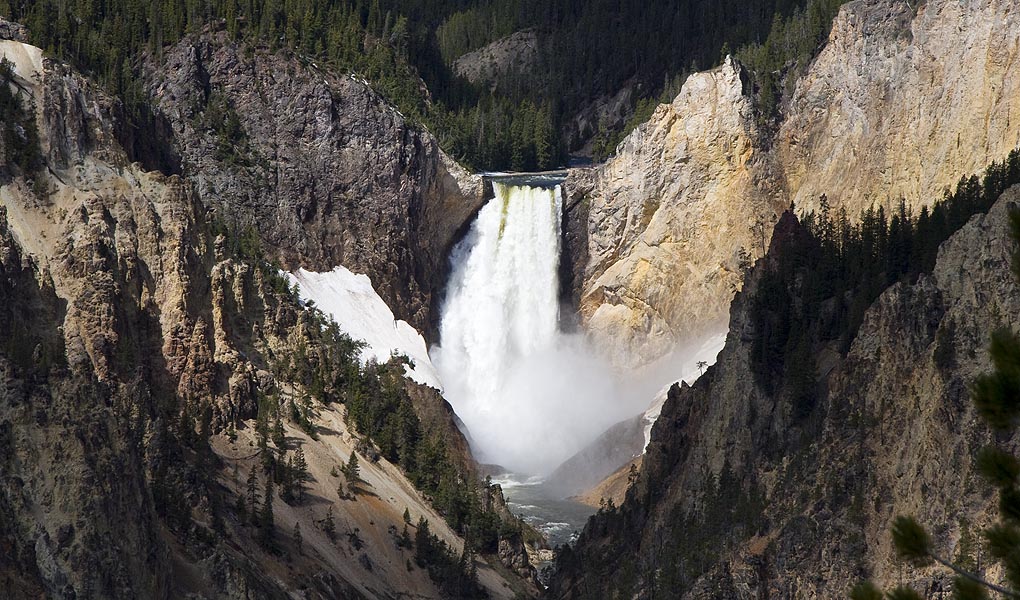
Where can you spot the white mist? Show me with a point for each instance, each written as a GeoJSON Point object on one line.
{"type": "Point", "coordinates": [529, 395]}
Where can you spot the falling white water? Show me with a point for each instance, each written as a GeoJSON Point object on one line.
{"type": "Point", "coordinates": [529, 395]}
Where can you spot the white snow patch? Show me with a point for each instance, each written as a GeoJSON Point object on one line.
{"type": "Point", "coordinates": [27, 60]}
{"type": "Point", "coordinates": [689, 372]}
{"type": "Point", "coordinates": [353, 303]}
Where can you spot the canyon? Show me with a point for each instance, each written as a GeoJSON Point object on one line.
{"type": "Point", "coordinates": [278, 235]}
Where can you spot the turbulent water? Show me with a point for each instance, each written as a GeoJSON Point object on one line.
{"type": "Point", "coordinates": [559, 520]}
{"type": "Point", "coordinates": [529, 395]}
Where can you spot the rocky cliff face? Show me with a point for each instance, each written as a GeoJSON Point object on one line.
{"type": "Point", "coordinates": [901, 105]}
{"type": "Point", "coordinates": [739, 498]}
{"type": "Point", "coordinates": [515, 54]}
{"type": "Point", "coordinates": [898, 105]}
{"type": "Point", "coordinates": [665, 230]}
{"type": "Point", "coordinates": [319, 164]}
{"type": "Point", "coordinates": [135, 325]}
{"type": "Point", "coordinates": [130, 309]}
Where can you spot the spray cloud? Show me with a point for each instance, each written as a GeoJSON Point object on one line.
{"type": "Point", "coordinates": [529, 394]}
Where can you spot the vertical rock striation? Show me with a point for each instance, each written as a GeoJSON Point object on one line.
{"type": "Point", "coordinates": [902, 104]}
{"type": "Point", "coordinates": [899, 104]}
{"type": "Point", "coordinates": [326, 171]}
{"type": "Point", "coordinates": [668, 218]}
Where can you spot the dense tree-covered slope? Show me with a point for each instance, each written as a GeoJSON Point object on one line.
{"type": "Point", "coordinates": [587, 52]}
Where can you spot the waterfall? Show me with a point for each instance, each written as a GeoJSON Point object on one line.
{"type": "Point", "coordinates": [529, 395]}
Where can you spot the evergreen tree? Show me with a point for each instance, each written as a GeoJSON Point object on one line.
{"type": "Point", "coordinates": [300, 466]}
{"type": "Point", "coordinates": [253, 496]}
{"type": "Point", "coordinates": [279, 438]}
{"type": "Point", "coordinates": [352, 470]}
{"type": "Point", "coordinates": [328, 526]}
{"type": "Point", "coordinates": [241, 506]}
{"type": "Point", "coordinates": [632, 475]}
{"type": "Point", "coordinates": [297, 537]}
{"type": "Point", "coordinates": [285, 477]}
{"type": "Point", "coordinates": [422, 543]}
{"type": "Point", "coordinates": [266, 525]}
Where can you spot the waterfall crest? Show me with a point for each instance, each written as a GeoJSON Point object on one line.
{"type": "Point", "coordinates": [529, 395]}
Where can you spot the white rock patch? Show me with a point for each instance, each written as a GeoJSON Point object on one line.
{"type": "Point", "coordinates": [689, 372]}
{"type": "Point", "coordinates": [27, 60]}
{"type": "Point", "coordinates": [353, 303]}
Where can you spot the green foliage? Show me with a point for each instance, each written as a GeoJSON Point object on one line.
{"type": "Point", "coordinates": [221, 118]}
{"type": "Point", "coordinates": [731, 508]}
{"type": "Point", "coordinates": [997, 394]}
{"type": "Point", "coordinates": [968, 589]}
{"type": "Point", "coordinates": [300, 469]}
{"type": "Point", "coordinates": [241, 508]}
{"type": "Point", "coordinates": [1000, 467]}
{"type": "Point", "coordinates": [299, 414]}
{"type": "Point", "coordinates": [266, 520]}
{"type": "Point", "coordinates": [456, 576]}
{"type": "Point", "coordinates": [279, 438]}
{"type": "Point", "coordinates": [606, 141]}
{"type": "Point", "coordinates": [967, 549]}
{"type": "Point", "coordinates": [588, 49]}
{"type": "Point", "coordinates": [253, 496]}
{"type": "Point", "coordinates": [477, 26]}
{"type": "Point", "coordinates": [18, 131]}
{"type": "Point", "coordinates": [903, 593]}
{"type": "Point", "coordinates": [351, 470]}
{"type": "Point", "coordinates": [777, 63]}
{"type": "Point", "coordinates": [329, 526]}
{"type": "Point", "coordinates": [911, 541]}
{"type": "Point", "coordinates": [865, 591]}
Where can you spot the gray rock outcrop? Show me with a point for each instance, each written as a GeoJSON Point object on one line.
{"type": "Point", "coordinates": [515, 54]}
{"type": "Point", "coordinates": [324, 169]}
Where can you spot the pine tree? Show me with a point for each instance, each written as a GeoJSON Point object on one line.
{"type": "Point", "coordinates": [297, 537]}
{"type": "Point", "coordinates": [279, 439]}
{"type": "Point", "coordinates": [300, 467]}
{"type": "Point", "coordinates": [285, 475]}
{"type": "Point", "coordinates": [422, 543]}
{"type": "Point", "coordinates": [253, 496]}
{"type": "Point", "coordinates": [241, 506]}
{"type": "Point", "coordinates": [352, 470]}
{"type": "Point", "coordinates": [407, 516]}
{"type": "Point", "coordinates": [328, 526]}
{"type": "Point", "coordinates": [266, 515]}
